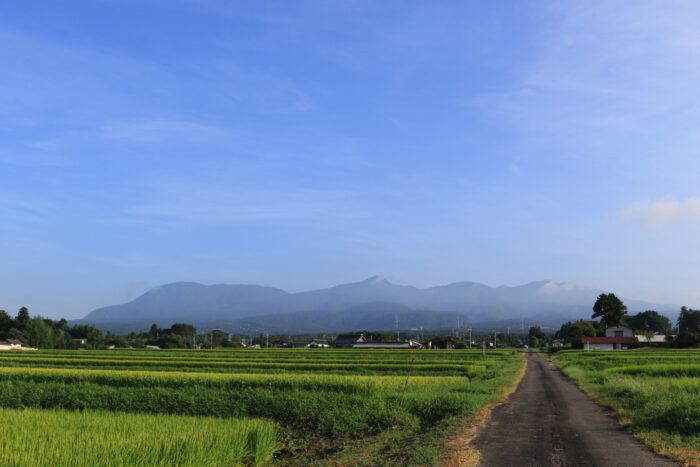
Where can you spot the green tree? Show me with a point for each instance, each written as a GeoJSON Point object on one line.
{"type": "Point", "coordinates": [62, 339]}
{"type": "Point", "coordinates": [92, 335]}
{"type": "Point", "coordinates": [220, 337]}
{"type": "Point", "coordinates": [15, 333]}
{"type": "Point", "coordinates": [182, 329]}
{"type": "Point", "coordinates": [572, 333]}
{"type": "Point", "coordinates": [609, 309]}
{"type": "Point", "coordinates": [40, 334]}
{"type": "Point", "coordinates": [62, 324]}
{"type": "Point", "coordinates": [5, 323]}
{"type": "Point", "coordinates": [170, 341]}
{"type": "Point", "coordinates": [24, 321]}
{"type": "Point", "coordinates": [686, 339]}
{"type": "Point", "coordinates": [535, 336]}
{"type": "Point", "coordinates": [139, 342]}
{"type": "Point", "coordinates": [650, 321]}
{"type": "Point", "coordinates": [112, 339]}
{"type": "Point", "coordinates": [689, 320]}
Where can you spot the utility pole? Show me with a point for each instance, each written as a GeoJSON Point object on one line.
{"type": "Point", "coordinates": [470, 338]}
{"type": "Point", "coordinates": [396, 326]}
{"type": "Point", "coordinates": [267, 340]}
{"type": "Point", "coordinates": [495, 346]}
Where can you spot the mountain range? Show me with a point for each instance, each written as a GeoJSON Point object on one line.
{"type": "Point", "coordinates": [374, 304]}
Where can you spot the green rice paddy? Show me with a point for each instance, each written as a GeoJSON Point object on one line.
{"type": "Point", "coordinates": [231, 407]}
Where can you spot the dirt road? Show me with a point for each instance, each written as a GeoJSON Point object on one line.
{"type": "Point", "coordinates": [549, 421]}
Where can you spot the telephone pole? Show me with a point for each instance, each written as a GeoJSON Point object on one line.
{"type": "Point", "coordinates": [396, 326]}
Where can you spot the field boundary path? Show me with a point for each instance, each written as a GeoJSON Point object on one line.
{"type": "Point", "coordinates": [549, 421]}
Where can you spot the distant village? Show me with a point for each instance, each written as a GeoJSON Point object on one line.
{"type": "Point", "coordinates": [359, 341]}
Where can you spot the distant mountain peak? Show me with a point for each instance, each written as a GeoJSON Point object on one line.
{"type": "Point", "coordinates": [376, 280]}
{"type": "Point", "coordinates": [556, 287]}
{"type": "Point", "coordinates": [175, 285]}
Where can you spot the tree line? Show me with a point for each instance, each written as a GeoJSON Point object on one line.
{"type": "Point", "coordinates": [45, 333]}
{"type": "Point", "coordinates": [613, 312]}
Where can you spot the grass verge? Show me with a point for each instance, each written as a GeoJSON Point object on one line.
{"type": "Point", "coordinates": [661, 410]}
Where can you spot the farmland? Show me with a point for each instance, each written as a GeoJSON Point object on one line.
{"type": "Point", "coordinates": [655, 392]}
{"type": "Point", "coordinates": [226, 407]}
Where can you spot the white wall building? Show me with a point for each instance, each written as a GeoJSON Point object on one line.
{"type": "Point", "coordinates": [619, 331]}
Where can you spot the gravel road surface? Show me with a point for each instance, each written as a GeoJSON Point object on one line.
{"type": "Point", "coordinates": [548, 420]}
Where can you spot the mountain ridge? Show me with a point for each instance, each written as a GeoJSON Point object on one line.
{"type": "Point", "coordinates": [355, 305]}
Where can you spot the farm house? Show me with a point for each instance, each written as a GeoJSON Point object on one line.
{"type": "Point", "coordinates": [616, 338]}
{"type": "Point", "coordinates": [447, 344]}
{"type": "Point", "coordinates": [10, 344]}
{"type": "Point", "coordinates": [348, 340]}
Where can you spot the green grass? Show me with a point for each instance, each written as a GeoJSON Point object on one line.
{"type": "Point", "coordinates": [50, 437]}
{"type": "Point", "coordinates": [315, 397]}
{"type": "Point", "coordinates": [657, 392]}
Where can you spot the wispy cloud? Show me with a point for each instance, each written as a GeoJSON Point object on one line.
{"type": "Point", "coordinates": [662, 212]}
{"type": "Point", "coordinates": [158, 130]}
{"type": "Point", "coordinates": [225, 212]}
{"type": "Point", "coordinates": [210, 201]}
{"type": "Point", "coordinates": [605, 66]}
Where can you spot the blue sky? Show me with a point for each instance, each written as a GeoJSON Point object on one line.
{"type": "Point", "coordinates": [304, 144]}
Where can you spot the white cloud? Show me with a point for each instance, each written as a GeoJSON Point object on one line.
{"type": "Point", "coordinates": [214, 200]}
{"type": "Point", "coordinates": [224, 212]}
{"type": "Point", "coordinates": [659, 213]}
{"type": "Point", "coordinates": [552, 287]}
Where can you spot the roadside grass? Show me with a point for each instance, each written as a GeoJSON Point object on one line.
{"type": "Point", "coordinates": [656, 394]}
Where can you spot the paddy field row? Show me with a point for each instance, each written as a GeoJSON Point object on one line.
{"type": "Point", "coordinates": [297, 396]}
